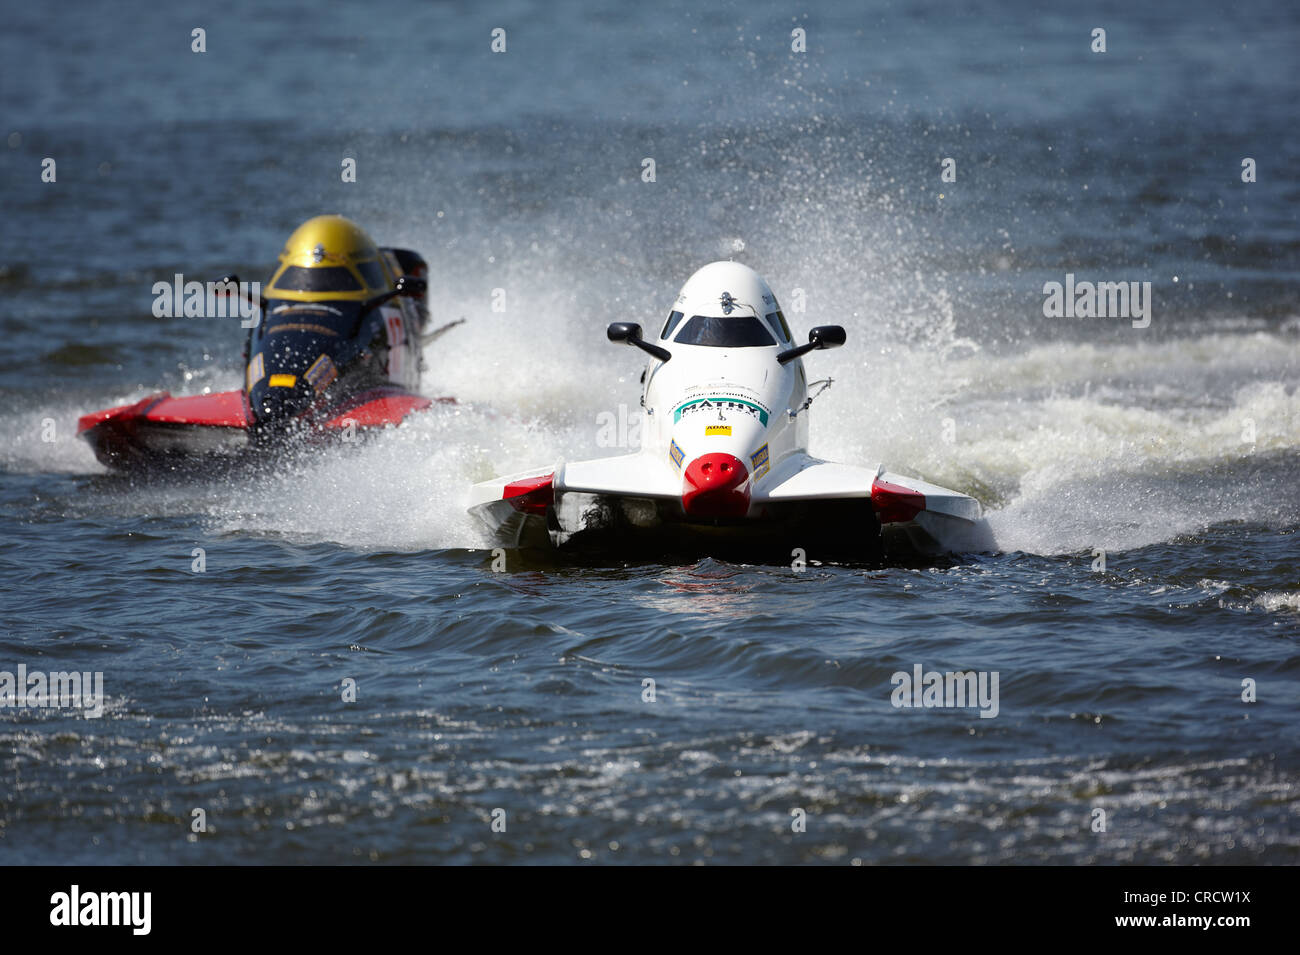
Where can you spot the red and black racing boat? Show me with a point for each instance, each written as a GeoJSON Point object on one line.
{"type": "Point", "coordinates": [336, 350]}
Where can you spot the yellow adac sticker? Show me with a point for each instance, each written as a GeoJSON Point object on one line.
{"type": "Point", "coordinates": [717, 431]}
{"type": "Point", "coordinates": [283, 381]}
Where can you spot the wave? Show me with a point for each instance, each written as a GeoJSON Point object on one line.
{"type": "Point", "coordinates": [1070, 446]}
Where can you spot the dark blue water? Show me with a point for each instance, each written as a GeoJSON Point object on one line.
{"type": "Point", "coordinates": [1172, 448]}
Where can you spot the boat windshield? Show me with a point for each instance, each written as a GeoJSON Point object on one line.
{"type": "Point", "coordinates": [736, 331]}
{"type": "Point", "coordinates": [329, 278]}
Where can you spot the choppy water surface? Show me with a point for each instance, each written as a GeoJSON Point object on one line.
{"type": "Point", "coordinates": [1173, 448]}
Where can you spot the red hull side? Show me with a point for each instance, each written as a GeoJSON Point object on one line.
{"type": "Point", "coordinates": [164, 430]}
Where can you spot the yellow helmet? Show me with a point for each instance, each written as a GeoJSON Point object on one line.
{"type": "Point", "coordinates": [329, 257]}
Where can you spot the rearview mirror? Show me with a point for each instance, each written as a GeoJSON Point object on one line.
{"type": "Point", "coordinates": [822, 336]}
{"type": "Point", "coordinates": [630, 333]}
{"type": "Point", "coordinates": [411, 287]}
{"type": "Point", "coordinates": [407, 286]}
{"type": "Point", "coordinates": [827, 336]}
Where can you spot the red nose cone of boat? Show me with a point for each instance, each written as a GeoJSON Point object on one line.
{"type": "Point", "coordinates": [717, 485]}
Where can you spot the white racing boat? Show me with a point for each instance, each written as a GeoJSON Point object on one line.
{"type": "Point", "coordinates": [724, 466]}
